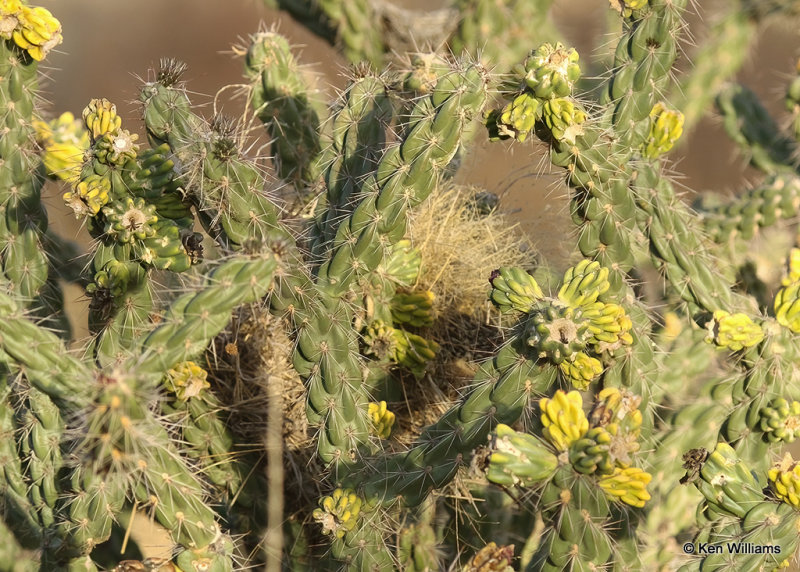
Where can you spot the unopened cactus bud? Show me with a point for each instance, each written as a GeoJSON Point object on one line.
{"type": "Point", "coordinates": [784, 480]}
{"type": "Point", "coordinates": [792, 268]}
{"type": "Point", "coordinates": [519, 459]}
{"type": "Point", "coordinates": [130, 219]}
{"type": "Point", "coordinates": [116, 148]}
{"type": "Point", "coordinates": [382, 419]}
{"type": "Point", "coordinates": [666, 127]}
{"type": "Point", "coordinates": [564, 119]}
{"type": "Point", "coordinates": [403, 263]}
{"type": "Point", "coordinates": [610, 327]}
{"type": "Point", "coordinates": [36, 31]}
{"type": "Point", "coordinates": [338, 512]}
{"type": "Point", "coordinates": [780, 420]}
{"type": "Point", "coordinates": [100, 117]}
{"type": "Point", "coordinates": [491, 558]}
{"type": "Point", "coordinates": [517, 118]}
{"type": "Point", "coordinates": [556, 333]}
{"type": "Point", "coordinates": [413, 351]}
{"type": "Point", "coordinates": [187, 380]}
{"type": "Point", "coordinates": [65, 141]}
{"type": "Point", "coordinates": [413, 308]}
{"type": "Point", "coordinates": [628, 485]}
{"type": "Point", "coordinates": [113, 278]}
{"type": "Point", "coordinates": [426, 71]}
{"type": "Point", "coordinates": [590, 454]}
{"type": "Point", "coordinates": [733, 331]}
{"type": "Point", "coordinates": [563, 419]}
{"type": "Point", "coordinates": [88, 196]}
{"type": "Point", "coordinates": [627, 7]}
{"type": "Point", "coordinates": [514, 289]}
{"type": "Point", "coordinates": [584, 283]}
{"type": "Point", "coordinates": [787, 306]}
{"type": "Point", "coordinates": [580, 369]}
{"type": "Point", "coordinates": [551, 71]}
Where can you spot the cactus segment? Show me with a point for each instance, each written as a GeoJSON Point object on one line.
{"type": "Point", "coordinates": [519, 459]}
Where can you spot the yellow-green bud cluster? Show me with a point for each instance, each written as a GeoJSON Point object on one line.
{"type": "Point", "coordinates": [338, 512]}
{"type": "Point", "coordinates": [726, 483]}
{"type": "Point", "coordinates": [787, 306]}
{"type": "Point", "coordinates": [666, 127]}
{"type": "Point", "coordinates": [514, 289]}
{"type": "Point", "coordinates": [116, 148]}
{"type": "Point", "coordinates": [101, 118]}
{"type": "Point", "coordinates": [615, 426]}
{"type": "Point", "coordinates": [187, 380]}
{"type": "Point", "coordinates": [551, 71]}
{"type": "Point", "coordinates": [629, 485]}
{"type": "Point", "coordinates": [382, 419]}
{"type": "Point", "coordinates": [519, 459]}
{"type": "Point", "coordinates": [784, 480]}
{"type": "Point", "coordinates": [413, 308]}
{"type": "Point", "coordinates": [563, 419]}
{"type": "Point", "coordinates": [34, 30]}
{"type": "Point", "coordinates": [88, 196]}
{"type": "Point", "coordinates": [548, 76]}
{"type": "Point", "coordinates": [491, 558]}
{"type": "Point", "coordinates": [792, 268]}
{"type": "Point", "coordinates": [568, 329]}
{"type": "Point", "coordinates": [130, 220]}
{"type": "Point", "coordinates": [64, 141]}
{"type": "Point", "coordinates": [113, 277]}
{"type": "Point", "coordinates": [780, 420]}
{"type": "Point", "coordinates": [602, 444]}
{"type": "Point", "coordinates": [404, 348]}
{"type": "Point", "coordinates": [733, 331]}
{"type": "Point", "coordinates": [627, 7]}
{"type": "Point", "coordinates": [516, 120]}
{"type": "Point", "coordinates": [403, 264]}
{"type": "Point", "coordinates": [564, 119]}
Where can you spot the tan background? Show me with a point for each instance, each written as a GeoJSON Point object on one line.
{"type": "Point", "coordinates": [108, 45]}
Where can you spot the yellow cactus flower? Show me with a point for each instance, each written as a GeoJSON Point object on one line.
{"type": "Point", "coordinates": [382, 419]}
{"type": "Point", "coordinates": [563, 419]}
{"type": "Point", "coordinates": [88, 196]}
{"type": "Point", "coordinates": [338, 512]}
{"type": "Point", "coordinates": [37, 31]}
{"type": "Point", "coordinates": [784, 480]}
{"type": "Point", "coordinates": [733, 331]}
{"type": "Point", "coordinates": [9, 17]}
{"type": "Point", "coordinates": [187, 380]}
{"type": "Point", "coordinates": [100, 117]}
{"type": "Point", "coordinates": [65, 141]}
{"type": "Point", "coordinates": [792, 268]}
{"type": "Point", "coordinates": [787, 306]}
{"type": "Point", "coordinates": [666, 127]}
{"type": "Point", "coordinates": [628, 485]}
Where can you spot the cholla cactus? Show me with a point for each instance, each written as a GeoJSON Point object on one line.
{"type": "Point", "coordinates": [290, 387]}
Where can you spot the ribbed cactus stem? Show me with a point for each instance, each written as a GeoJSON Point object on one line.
{"type": "Point", "coordinates": [358, 136]}
{"type": "Point", "coordinates": [195, 318]}
{"type": "Point", "coordinates": [13, 557]}
{"type": "Point", "coordinates": [23, 217]}
{"type": "Point", "coordinates": [505, 387]}
{"type": "Point", "coordinates": [405, 176]}
{"type": "Point", "coordinates": [752, 127]}
{"type": "Point", "coordinates": [720, 56]}
{"type": "Point", "coordinates": [774, 200]}
{"type": "Point", "coordinates": [284, 102]}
